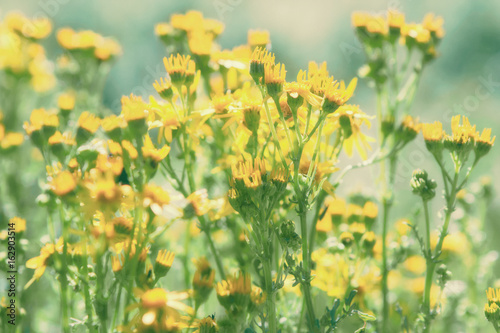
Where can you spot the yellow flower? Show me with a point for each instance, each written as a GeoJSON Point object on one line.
{"type": "Point", "coordinates": [19, 224]}
{"type": "Point", "coordinates": [63, 183]}
{"type": "Point", "coordinates": [416, 32]}
{"type": "Point", "coordinates": [434, 25]}
{"type": "Point", "coordinates": [40, 263]}
{"type": "Point", "coordinates": [395, 19]}
{"type": "Point", "coordinates": [433, 132]}
{"type": "Point", "coordinates": [163, 262]}
{"type": "Point", "coordinates": [199, 202]}
{"type": "Point", "coordinates": [149, 150]}
{"type": "Point", "coordinates": [415, 264]}
{"type": "Point", "coordinates": [258, 38]}
{"type": "Point", "coordinates": [11, 139]}
{"type": "Point", "coordinates": [66, 101]}
{"type": "Point", "coordinates": [163, 29]}
{"type": "Point", "coordinates": [103, 188]}
{"type": "Point", "coordinates": [106, 163]}
{"type": "Point", "coordinates": [129, 147]}
{"type": "Point", "coordinates": [259, 59]}
{"type": "Point", "coordinates": [89, 122]}
{"type": "Point", "coordinates": [200, 42]}
{"type": "Point", "coordinates": [337, 95]}
{"type": "Point", "coordinates": [164, 89]}
{"type": "Point", "coordinates": [155, 197]}
{"type": "Point", "coordinates": [41, 118]}
{"type": "Point", "coordinates": [274, 73]}
{"type": "Point", "coordinates": [493, 295]}
{"type": "Point", "coordinates": [177, 67]}
{"type": "Point", "coordinates": [160, 310]}
{"type": "Point", "coordinates": [133, 108]}
{"type": "Point", "coordinates": [62, 138]}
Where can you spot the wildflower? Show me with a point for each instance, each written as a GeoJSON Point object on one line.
{"type": "Point", "coordinates": [164, 89]}
{"type": "Point", "coordinates": [492, 312]}
{"type": "Point", "coordinates": [106, 163]}
{"type": "Point", "coordinates": [103, 189]}
{"type": "Point", "coordinates": [357, 229]}
{"type": "Point", "coordinates": [169, 120]}
{"type": "Point", "coordinates": [11, 139]}
{"type": "Point", "coordinates": [160, 310]}
{"type": "Point", "coordinates": [220, 103]}
{"type": "Point", "coordinates": [259, 60]}
{"type": "Point", "coordinates": [336, 209]}
{"type": "Point", "coordinates": [416, 34]}
{"type": "Point", "coordinates": [408, 129]}
{"type": "Point", "coordinates": [396, 21]}
{"type": "Point", "coordinates": [274, 77]}
{"type": "Point", "coordinates": [18, 224]}
{"type": "Point", "coordinates": [433, 135]}
{"type": "Point", "coordinates": [463, 136]}
{"type": "Point", "coordinates": [198, 204]}
{"type": "Point", "coordinates": [163, 262]}
{"type": "Point", "coordinates": [88, 124]}
{"type": "Point", "coordinates": [346, 238]}
{"type": "Point", "coordinates": [113, 126]}
{"type": "Point", "coordinates": [493, 295]}
{"type": "Point", "coordinates": [415, 264]}
{"type": "Point", "coordinates": [258, 38]}
{"type": "Point", "coordinates": [422, 185]}
{"type": "Point", "coordinates": [203, 280]}
{"type": "Point", "coordinates": [370, 211]}
{"type": "Point", "coordinates": [40, 263]}
{"type": "Point", "coordinates": [42, 125]}
{"type": "Point", "coordinates": [207, 325]}
{"type": "Point", "coordinates": [251, 115]}
{"type": "Point", "coordinates": [66, 102]}
{"type": "Point", "coordinates": [368, 240]}
{"type": "Point", "coordinates": [130, 150]}
{"type": "Point", "coordinates": [155, 198]}
{"type": "Point", "coordinates": [177, 67]}
{"type": "Point", "coordinates": [337, 95]}
{"type": "Point", "coordinates": [234, 292]}
{"type": "Point", "coordinates": [63, 183]}
{"type": "Point", "coordinates": [135, 111]}
{"type": "Point", "coordinates": [484, 142]}
{"type": "Point", "coordinates": [122, 225]}
{"type": "Point", "coordinates": [150, 152]}
{"type": "Point", "coordinates": [434, 25]}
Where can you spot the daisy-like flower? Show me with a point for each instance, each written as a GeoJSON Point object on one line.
{"type": "Point", "coordinates": [178, 67]}
{"type": "Point", "coordinates": [66, 102]}
{"type": "Point", "coordinates": [274, 77]}
{"type": "Point", "coordinates": [484, 142]}
{"type": "Point", "coordinates": [258, 38]}
{"type": "Point", "coordinates": [258, 62]}
{"type": "Point", "coordinates": [40, 263]}
{"type": "Point", "coordinates": [203, 280]}
{"type": "Point", "coordinates": [63, 183]}
{"type": "Point", "coordinates": [350, 119]}
{"type": "Point", "coordinates": [337, 95]}
{"type": "Point", "coordinates": [163, 262]}
{"type": "Point", "coordinates": [160, 310]}
{"type": "Point", "coordinates": [149, 151]}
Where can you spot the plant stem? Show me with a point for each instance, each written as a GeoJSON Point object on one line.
{"type": "Point", "coordinates": [385, 305]}
{"type": "Point", "coordinates": [271, 300]}
{"type": "Point", "coordinates": [431, 261]}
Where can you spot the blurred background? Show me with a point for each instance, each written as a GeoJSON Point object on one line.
{"type": "Point", "coordinates": [465, 79]}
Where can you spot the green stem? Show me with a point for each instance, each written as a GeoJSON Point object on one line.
{"type": "Point", "coordinates": [432, 260]}
{"type": "Point", "coordinates": [385, 304]}
{"type": "Point", "coordinates": [271, 297]}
